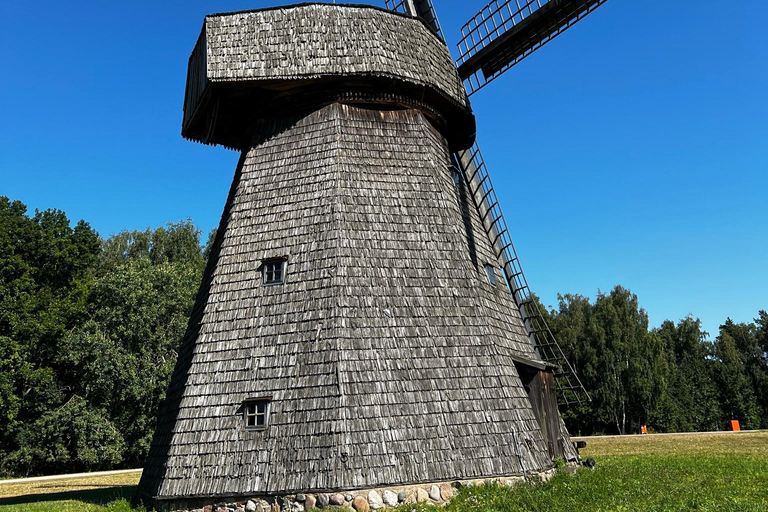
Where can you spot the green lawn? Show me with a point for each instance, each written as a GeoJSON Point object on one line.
{"type": "Point", "coordinates": [94, 494]}
{"type": "Point", "coordinates": [704, 472]}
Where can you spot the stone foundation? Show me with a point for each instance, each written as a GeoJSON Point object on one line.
{"type": "Point", "coordinates": [362, 500]}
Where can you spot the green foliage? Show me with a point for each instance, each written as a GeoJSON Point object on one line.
{"type": "Point", "coordinates": [73, 437]}
{"type": "Point", "coordinates": [87, 326]}
{"type": "Point", "coordinates": [621, 364]}
{"type": "Point", "coordinates": [175, 243]}
{"type": "Point", "coordinates": [122, 358]}
{"type": "Point", "coordinates": [670, 378]}
{"type": "Point", "coordinates": [739, 374]}
{"type": "Point", "coordinates": [690, 401]}
{"type": "Point", "coordinates": [45, 269]}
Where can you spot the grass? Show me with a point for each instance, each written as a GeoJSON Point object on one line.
{"type": "Point", "coordinates": [92, 494]}
{"type": "Point", "coordinates": [702, 472]}
{"type": "Point", "coordinates": [748, 444]}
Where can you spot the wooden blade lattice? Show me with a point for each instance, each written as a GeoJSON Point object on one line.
{"type": "Point", "coordinates": [569, 387]}
{"type": "Point", "coordinates": [420, 8]}
{"type": "Point", "coordinates": [504, 32]}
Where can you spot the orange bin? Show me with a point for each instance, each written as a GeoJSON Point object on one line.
{"type": "Point", "coordinates": [735, 425]}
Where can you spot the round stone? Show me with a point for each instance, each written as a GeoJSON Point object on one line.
{"type": "Point", "coordinates": [250, 506]}
{"type": "Point", "coordinates": [374, 500]}
{"type": "Point", "coordinates": [434, 493]}
{"type": "Point", "coordinates": [300, 497]}
{"type": "Point", "coordinates": [337, 499]}
{"type": "Point", "coordinates": [421, 495]}
{"type": "Point", "coordinates": [275, 507]}
{"type": "Point", "coordinates": [360, 504]}
{"type": "Point", "coordinates": [297, 507]}
{"type": "Point", "coordinates": [348, 497]}
{"type": "Point", "coordinates": [401, 496]}
{"type": "Point", "coordinates": [390, 498]}
{"type": "Point", "coordinates": [323, 500]}
{"type": "Point", "coordinates": [309, 503]}
{"type": "Point", "coordinates": [446, 491]}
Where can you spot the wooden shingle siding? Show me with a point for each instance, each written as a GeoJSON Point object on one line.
{"type": "Point", "coordinates": [251, 62]}
{"type": "Point", "coordinates": [387, 344]}
{"type": "Point", "coordinates": [314, 40]}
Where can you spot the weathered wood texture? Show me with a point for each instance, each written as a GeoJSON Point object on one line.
{"type": "Point", "coordinates": [310, 41]}
{"type": "Point", "coordinates": [387, 347]}
{"type": "Point", "coordinates": [249, 58]}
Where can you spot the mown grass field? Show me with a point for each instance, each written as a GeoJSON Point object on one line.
{"type": "Point", "coordinates": [701, 472]}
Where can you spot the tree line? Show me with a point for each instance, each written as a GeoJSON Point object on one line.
{"type": "Point", "coordinates": [89, 329]}
{"type": "Point", "coordinates": [670, 378]}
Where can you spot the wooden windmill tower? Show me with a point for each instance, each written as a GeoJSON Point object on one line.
{"type": "Point", "coordinates": [353, 330]}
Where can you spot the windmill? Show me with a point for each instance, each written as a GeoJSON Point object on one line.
{"type": "Point", "coordinates": [353, 334]}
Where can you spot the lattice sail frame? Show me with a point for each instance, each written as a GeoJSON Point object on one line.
{"type": "Point", "coordinates": [570, 389]}
{"type": "Point", "coordinates": [512, 30]}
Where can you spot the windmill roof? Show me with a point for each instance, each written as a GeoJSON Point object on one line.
{"type": "Point", "coordinates": [268, 54]}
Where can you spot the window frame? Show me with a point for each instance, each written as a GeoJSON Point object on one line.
{"type": "Point", "coordinates": [267, 263]}
{"type": "Point", "coordinates": [253, 404]}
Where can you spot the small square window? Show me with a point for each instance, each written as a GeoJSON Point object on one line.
{"type": "Point", "coordinates": [491, 274]}
{"type": "Point", "coordinates": [273, 272]}
{"type": "Point", "coordinates": [256, 413]}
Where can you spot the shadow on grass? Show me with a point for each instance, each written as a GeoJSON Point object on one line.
{"type": "Point", "coordinates": [101, 496]}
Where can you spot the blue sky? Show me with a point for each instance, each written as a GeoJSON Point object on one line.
{"type": "Point", "coordinates": [633, 149]}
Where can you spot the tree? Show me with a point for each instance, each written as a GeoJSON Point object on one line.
{"type": "Point", "coordinates": [760, 366]}
{"type": "Point", "coordinates": [123, 356]}
{"type": "Point", "coordinates": [175, 243]}
{"type": "Point", "coordinates": [72, 437]}
{"type": "Point", "coordinates": [738, 372]}
{"type": "Point", "coordinates": [569, 326]}
{"type": "Point", "coordinates": [45, 271]}
{"type": "Point", "coordinates": [620, 363]}
{"type": "Point", "coordinates": [88, 337]}
{"type": "Point", "coordinates": [690, 402]}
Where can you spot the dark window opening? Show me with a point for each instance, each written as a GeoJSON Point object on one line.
{"type": "Point", "coordinates": [256, 413]}
{"type": "Point", "coordinates": [457, 178]}
{"type": "Point", "coordinates": [491, 274]}
{"type": "Point", "coordinates": [273, 272]}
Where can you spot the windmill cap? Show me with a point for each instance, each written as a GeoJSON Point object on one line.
{"type": "Point", "coordinates": [252, 66]}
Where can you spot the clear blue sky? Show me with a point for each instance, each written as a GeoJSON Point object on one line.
{"type": "Point", "coordinates": [633, 149]}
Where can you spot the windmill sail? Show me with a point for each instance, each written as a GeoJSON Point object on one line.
{"type": "Point", "coordinates": [569, 387]}
{"type": "Point", "coordinates": [419, 8]}
{"type": "Point", "coordinates": [504, 32]}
